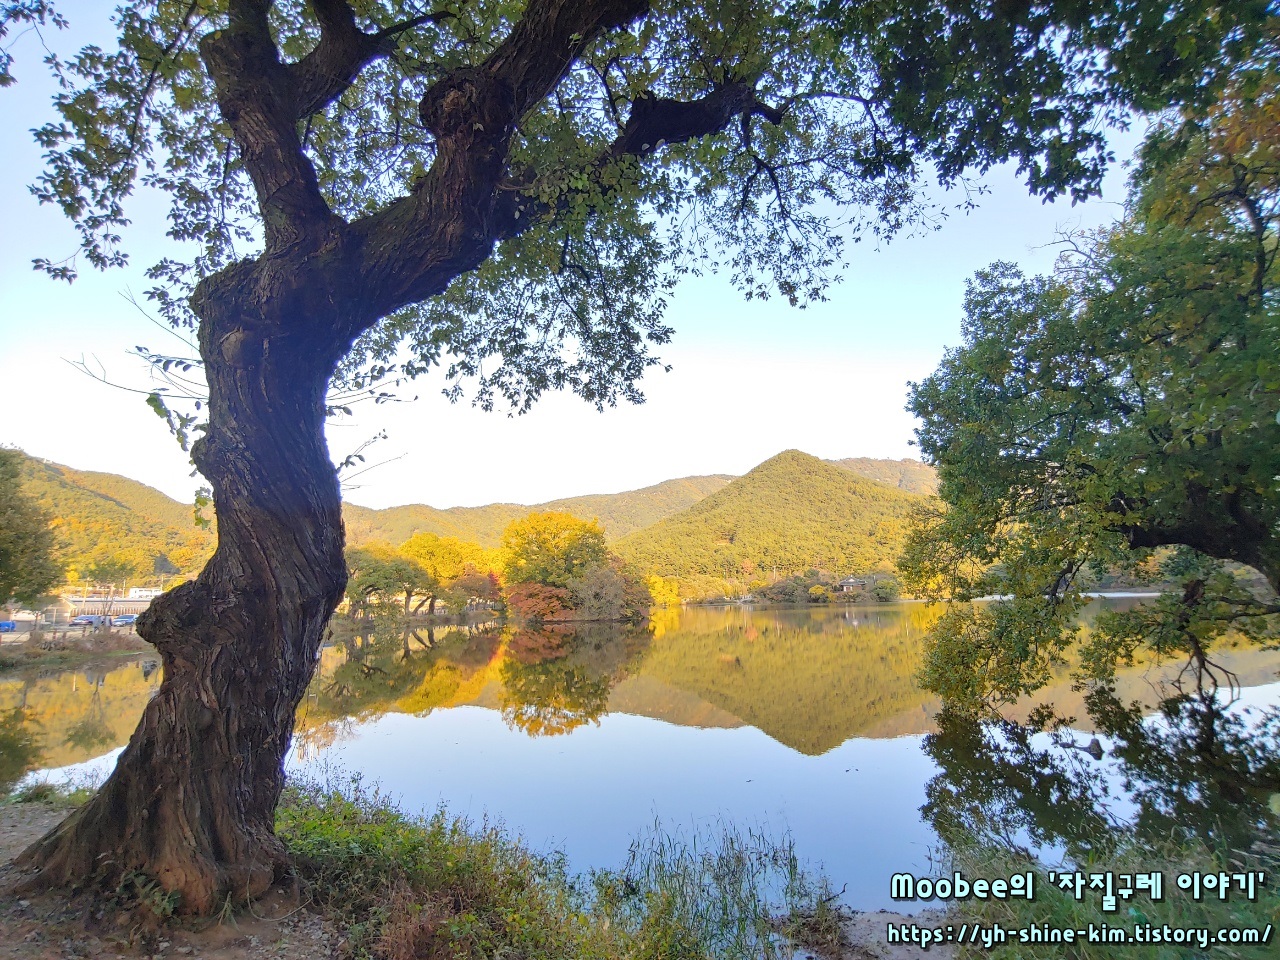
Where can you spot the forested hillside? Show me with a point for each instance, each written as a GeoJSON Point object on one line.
{"type": "Point", "coordinates": [109, 527]}
{"type": "Point", "coordinates": [909, 475]}
{"type": "Point", "coordinates": [619, 513]}
{"type": "Point", "coordinates": [792, 513]}
{"type": "Point", "coordinates": [789, 514]}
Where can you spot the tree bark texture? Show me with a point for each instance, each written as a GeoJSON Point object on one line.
{"type": "Point", "coordinates": [193, 796]}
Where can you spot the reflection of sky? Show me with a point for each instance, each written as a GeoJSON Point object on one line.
{"type": "Point", "coordinates": [854, 810]}
{"type": "Point", "coordinates": [589, 793]}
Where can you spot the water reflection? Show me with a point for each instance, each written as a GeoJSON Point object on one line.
{"type": "Point", "coordinates": [64, 717]}
{"type": "Point", "coordinates": [1203, 769]}
{"type": "Point", "coordinates": [399, 668]}
{"type": "Point", "coordinates": [808, 678]}
{"type": "Point", "coordinates": [805, 718]}
{"type": "Point", "coordinates": [555, 679]}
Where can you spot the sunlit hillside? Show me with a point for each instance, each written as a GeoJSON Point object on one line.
{"type": "Point", "coordinates": [619, 513]}
{"type": "Point", "coordinates": [120, 527]}
{"type": "Point", "coordinates": [792, 513]}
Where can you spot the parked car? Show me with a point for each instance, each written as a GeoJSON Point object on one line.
{"type": "Point", "coordinates": [90, 620]}
{"type": "Point", "coordinates": [125, 620]}
{"type": "Point", "coordinates": [8, 626]}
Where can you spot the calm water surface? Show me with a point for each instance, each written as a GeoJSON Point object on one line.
{"type": "Point", "coordinates": [804, 721]}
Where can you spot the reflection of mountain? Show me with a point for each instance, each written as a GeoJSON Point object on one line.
{"type": "Point", "coordinates": [83, 713]}
{"type": "Point", "coordinates": [810, 679]}
{"type": "Point", "coordinates": [646, 696]}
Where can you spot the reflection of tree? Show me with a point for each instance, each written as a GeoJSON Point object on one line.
{"type": "Point", "coordinates": [92, 732]}
{"type": "Point", "coordinates": [1195, 772]}
{"type": "Point", "coordinates": [19, 751]}
{"type": "Point", "coordinates": [558, 678]}
{"type": "Point", "coordinates": [392, 667]}
{"type": "Point", "coordinates": [997, 784]}
{"type": "Point", "coordinates": [1199, 769]}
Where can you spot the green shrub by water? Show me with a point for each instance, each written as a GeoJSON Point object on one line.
{"type": "Point", "coordinates": [422, 888]}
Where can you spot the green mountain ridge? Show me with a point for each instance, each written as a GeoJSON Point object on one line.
{"type": "Point", "coordinates": [619, 513]}
{"type": "Point", "coordinates": [792, 513]}
{"type": "Point", "coordinates": [118, 526]}
{"type": "Point", "coordinates": [101, 518]}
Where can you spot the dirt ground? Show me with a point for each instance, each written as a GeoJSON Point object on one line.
{"type": "Point", "coordinates": [51, 928]}
{"type": "Point", "coordinates": [278, 928]}
{"type": "Point", "coordinates": [866, 937]}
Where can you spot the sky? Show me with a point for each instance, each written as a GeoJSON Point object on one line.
{"type": "Point", "coordinates": [748, 379]}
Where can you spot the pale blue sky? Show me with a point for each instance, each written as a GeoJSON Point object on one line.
{"type": "Point", "coordinates": [749, 378]}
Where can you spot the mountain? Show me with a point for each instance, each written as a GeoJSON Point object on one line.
{"type": "Point", "coordinates": [116, 523]}
{"type": "Point", "coordinates": [619, 513]}
{"type": "Point", "coordinates": [792, 513]}
{"type": "Point", "coordinates": [909, 475]}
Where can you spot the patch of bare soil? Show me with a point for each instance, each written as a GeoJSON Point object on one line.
{"type": "Point", "coordinates": [51, 927]}
{"type": "Point", "coordinates": [866, 937]}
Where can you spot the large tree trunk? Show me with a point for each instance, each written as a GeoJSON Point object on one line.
{"type": "Point", "coordinates": [193, 796]}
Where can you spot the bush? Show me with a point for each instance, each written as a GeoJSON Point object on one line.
{"type": "Point", "coordinates": [408, 888]}
{"type": "Point", "coordinates": [536, 601]}
{"type": "Point", "coordinates": [887, 590]}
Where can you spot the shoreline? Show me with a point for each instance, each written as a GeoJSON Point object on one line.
{"type": "Point", "coordinates": [286, 924]}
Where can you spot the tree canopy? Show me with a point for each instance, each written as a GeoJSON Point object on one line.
{"type": "Point", "coordinates": [380, 572]}
{"type": "Point", "coordinates": [27, 565]}
{"type": "Point", "coordinates": [754, 136]}
{"type": "Point", "coordinates": [552, 548]}
{"type": "Point", "coordinates": [1128, 402]}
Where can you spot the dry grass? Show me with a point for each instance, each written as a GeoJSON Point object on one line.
{"type": "Point", "coordinates": [69, 645]}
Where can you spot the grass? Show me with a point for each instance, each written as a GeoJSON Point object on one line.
{"type": "Point", "coordinates": [440, 888]}
{"type": "Point", "coordinates": [55, 794]}
{"type": "Point", "coordinates": [1060, 910]}
{"type": "Point", "coordinates": [46, 650]}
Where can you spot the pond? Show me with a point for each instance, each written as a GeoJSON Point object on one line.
{"type": "Point", "coordinates": [803, 721]}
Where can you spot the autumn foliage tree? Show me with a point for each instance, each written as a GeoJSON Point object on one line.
{"type": "Point", "coordinates": [379, 572]}
{"type": "Point", "coordinates": [510, 189]}
{"type": "Point", "coordinates": [459, 568]}
{"type": "Point", "coordinates": [552, 548]}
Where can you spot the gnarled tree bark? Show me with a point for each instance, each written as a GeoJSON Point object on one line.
{"type": "Point", "coordinates": [192, 799]}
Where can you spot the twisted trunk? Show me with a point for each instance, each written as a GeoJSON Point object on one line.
{"type": "Point", "coordinates": [192, 799]}
{"type": "Point", "coordinates": [193, 796]}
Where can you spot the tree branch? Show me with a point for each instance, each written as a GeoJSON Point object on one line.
{"type": "Point", "coordinates": [344, 50]}
{"type": "Point", "coordinates": [654, 122]}
{"type": "Point", "coordinates": [416, 246]}
{"type": "Point", "coordinates": [255, 98]}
